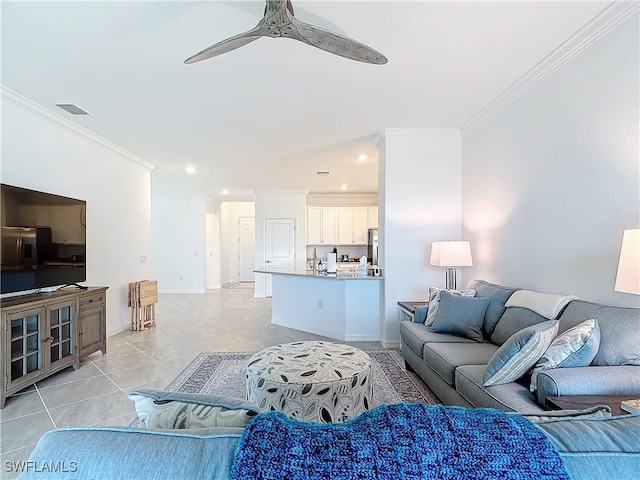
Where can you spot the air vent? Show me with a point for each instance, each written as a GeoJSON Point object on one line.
{"type": "Point", "coordinates": [323, 173]}
{"type": "Point", "coordinates": [72, 109]}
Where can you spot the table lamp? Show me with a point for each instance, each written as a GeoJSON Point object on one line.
{"type": "Point", "coordinates": [628, 277]}
{"type": "Point", "coordinates": [451, 254]}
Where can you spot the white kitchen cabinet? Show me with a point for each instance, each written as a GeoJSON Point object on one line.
{"type": "Point", "coordinates": [352, 225]}
{"type": "Point", "coordinates": [372, 217]}
{"type": "Point", "coordinates": [68, 224]}
{"type": "Point", "coordinates": [360, 225]}
{"type": "Point", "coordinates": [34, 216]}
{"type": "Point", "coordinates": [322, 225]}
{"type": "Point", "coordinates": [345, 225]}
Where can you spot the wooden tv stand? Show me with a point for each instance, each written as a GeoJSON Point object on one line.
{"type": "Point", "coordinates": [43, 333]}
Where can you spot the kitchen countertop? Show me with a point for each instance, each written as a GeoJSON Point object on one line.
{"type": "Point", "coordinates": [340, 275]}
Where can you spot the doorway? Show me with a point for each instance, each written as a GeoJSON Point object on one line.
{"type": "Point", "coordinates": [280, 247]}
{"type": "Point", "coordinates": [246, 248]}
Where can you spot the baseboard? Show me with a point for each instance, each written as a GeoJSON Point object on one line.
{"type": "Point", "coordinates": [182, 291]}
{"type": "Point", "coordinates": [316, 331]}
{"type": "Point", "coordinates": [118, 330]}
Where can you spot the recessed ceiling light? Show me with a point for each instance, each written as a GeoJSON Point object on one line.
{"type": "Point", "coordinates": [362, 157]}
{"type": "Point", "coordinates": [225, 192]}
{"type": "Point", "coordinates": [343, 187]}
{"type": "Point", "coordinates": [190, 170]}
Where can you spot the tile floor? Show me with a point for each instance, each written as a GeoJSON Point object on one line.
{"type": "Point", "coordinates": [225, 320]}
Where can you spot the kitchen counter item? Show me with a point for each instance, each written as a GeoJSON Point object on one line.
{"type": "Point", "coordinates": [331, 263]}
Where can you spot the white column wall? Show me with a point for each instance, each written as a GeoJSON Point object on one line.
{"type": "Point", "coordinates": [277, 204]}
{"type": "Point", "coordinates": [552, 180]}
{"type": "Point", "coordinates": [179, 243]}
{"type": "Point", "coordinates": [212, 262]}
{"type": "Point", "coordinates": [45, 151]}
{"type": "Point", "coordinates": [420, 202]}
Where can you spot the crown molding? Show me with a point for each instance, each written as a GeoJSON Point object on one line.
{"type": "Point", "coordinates": [612, 16]}
{"type": "Point", "coordinates": [23, 103]}
{"type": "Point", "coordinates": [385, 133]}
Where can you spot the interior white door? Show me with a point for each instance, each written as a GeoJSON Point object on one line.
{"type": "Point", "coordinates": [280, 247]}
{"type": "Point", "coordinates": [246, 248]}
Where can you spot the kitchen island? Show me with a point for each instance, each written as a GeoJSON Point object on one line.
{"type": "Point", "coordinates": [342, 305]}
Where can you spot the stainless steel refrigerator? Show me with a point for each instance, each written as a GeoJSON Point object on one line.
{"type": "Point", "coordinates": [372, 246]}
{"type": "Point", "coordinates": [22, 246]}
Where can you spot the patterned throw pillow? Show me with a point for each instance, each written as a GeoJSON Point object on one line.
{"type": "Point", "coordinates": [574, 348]}
{"type": "Point", "coordinates": [175, 410]}
{"type": "Point", "coordinates": [521, 352]}
{"type": "Point", "coordinates": [434, 301]}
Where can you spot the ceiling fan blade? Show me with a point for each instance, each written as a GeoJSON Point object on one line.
{"type": "Point", "coordinates": [227, 45]}
{"type": "Point", "coordinates": [336, 44]}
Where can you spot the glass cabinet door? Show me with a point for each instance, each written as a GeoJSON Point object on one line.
{"type": "Point", "coordinates": [26, 359]}
{"type": "Point", "coordinates": [61, 339]}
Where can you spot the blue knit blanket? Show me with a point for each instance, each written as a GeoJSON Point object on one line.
{"type": "Point", "coordinates": [402, 441]}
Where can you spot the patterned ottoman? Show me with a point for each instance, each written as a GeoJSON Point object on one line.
{"type": "Point", "coordinates": [311, 381]}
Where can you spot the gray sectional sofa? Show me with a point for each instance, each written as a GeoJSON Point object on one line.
{"type": "Point", "coordinates": [454, 366]}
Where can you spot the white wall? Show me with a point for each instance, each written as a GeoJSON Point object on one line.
{"type": "Point", "coordinates": [420, 202]}
{"type": "Point", "coordinates": [230, 212]}
{"type": "Point", "coordinates": [551, 182]}
{"type": "Point", "coordinates": [277, 204]}
{"type": "Point", "coordinates": [179, 243]}
{"type": "Point", "coordinates": [212, 276]}
{"type": "Point", "coordinates": [45, 151]}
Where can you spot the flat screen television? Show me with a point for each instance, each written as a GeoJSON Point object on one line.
{"type": "Point", "coordinates": [43, 243]}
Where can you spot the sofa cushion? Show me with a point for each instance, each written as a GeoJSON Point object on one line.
{"type": "Point", "coordinates": [574, 348]}
{"type": "Point", "coordinates": [434, 301]}
{"type": "Point", "coordinates": [498, 296]}
{"type": "Point", "coordinates": [513, 320]}
{"type": "Point", "coordinates": [460, 315]}
{"type": "Point", "coordinates": [416, 335]}
{"type": "Point", "coordinates": [446, 357]}
{"type": "Point", "coordinates": [597, 448]}
{"type": "Point", "coordinates": [521, 352]}
{"type": "Point", "coordinates": [510, 397]}
{"type": "Point", "coordinates": [619, 331]}
{"type": "Point", "coordinates": [174, 410]}
{"type": "Point", "coordinates": [135, 453]}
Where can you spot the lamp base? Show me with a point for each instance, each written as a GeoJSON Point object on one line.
{"type": "Point", "coordinates": [450, 278]}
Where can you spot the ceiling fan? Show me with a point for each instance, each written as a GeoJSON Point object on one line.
{"type": "Point", "coordinates": [279, 21]}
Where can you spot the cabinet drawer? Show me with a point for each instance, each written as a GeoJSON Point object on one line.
{"type": "Point", "coordinates": [89, 301]}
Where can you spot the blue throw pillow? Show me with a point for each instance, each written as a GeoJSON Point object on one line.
{"type": "Point", "coordinates": [574, 348]}
{"type": "Point", "coordinates": [520, 353]}
{"type": "Point", "coordinates": [420, 314]}
{"type": "Point", "coordinates": [498, 295]}
{"type": "Point", "coordinates": [460, 315]}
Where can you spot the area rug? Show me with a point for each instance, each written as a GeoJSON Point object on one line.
{"type": "Point", "coordinates": [224, 374]}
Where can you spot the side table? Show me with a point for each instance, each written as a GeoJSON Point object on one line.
{"type": "Point", "coordinates": [407, 309]}
{"type": "Point", "coordinates": [580, 402]}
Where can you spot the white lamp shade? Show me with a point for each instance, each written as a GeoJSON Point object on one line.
{"type": "Point", "coordinates": [451, 254]}
{"type": "Point", "coordinates": [628, 277]}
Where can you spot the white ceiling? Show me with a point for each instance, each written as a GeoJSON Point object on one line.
{"type": "Point", "coordinates": [269, 115]}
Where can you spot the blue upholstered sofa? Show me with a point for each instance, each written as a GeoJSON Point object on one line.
{"type": "Point", "coordinates": [591, 447]}
{"type": "Point", "coordinates": [454, 365]}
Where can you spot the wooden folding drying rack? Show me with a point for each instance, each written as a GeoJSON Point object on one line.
{"type": "Point", "coordinates": [143, 297]}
